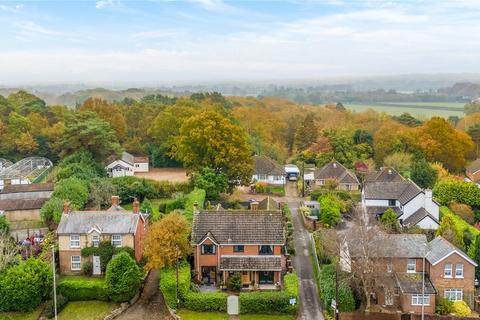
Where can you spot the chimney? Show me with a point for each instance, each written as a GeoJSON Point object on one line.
{"type": "Point", "coordinates": [115, 201]}
{"type": "Point", "coordinates": [334, 164]}
{"type": "Point", "coordinates": [390, 171]}
{"type": "Point", "coordinates": [429, 201]}
{"type": "Point", "coordinates": [254, 205]}
{"type": "Point", "coordinates": [136, 206]}
{"type": "Point", "coordinates": [66, 207]}
{"type": "Point", "coordinates": [195, 207]}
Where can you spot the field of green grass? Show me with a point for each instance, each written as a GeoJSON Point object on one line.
{"type": "Point", "coordinates": [192, 315]}
{"type": "Point", "coordinates": [33, 315]}
{"type": "Point", "coordinates": [416, 109]}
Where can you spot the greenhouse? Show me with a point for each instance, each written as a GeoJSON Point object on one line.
{"type": "Point", "coordinates": [4, 163]}
{"type": "Point", "coordinates": [25, 171]}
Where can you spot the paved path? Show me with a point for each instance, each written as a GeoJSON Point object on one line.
{"type": "Point", "coordinates": [310, 308]}
{"type": "Point", "coordinates": [151, 304]}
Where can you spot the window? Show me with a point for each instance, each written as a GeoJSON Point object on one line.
{"type": "Point", "coordinates": [208, 249]}
{"type": "Point", "coordinates": [396, 291]}
{"type": "Point", "coordinates": [238, 248]}
{"type": "Point", "coordinates": [277, 178]}
{"type": "Point", "coordinates": [95, 241]}
{"type": "Point", "coordinates": [389, 267]}
{"type": "Point", "coordinates": [74, 241]}
{"type": "Point", "coordinates": [262, 177]}
{"type": "Point", "coordinates": [453, 294]}
{"type": "Point", "coordinates": [411, 265]}
{"type": "Point", "coordinates": [448, 270]}
{"type": "Point", "coordinates": [265, 250]}
{"type": "Point", "coordinates": [459, 270]}
{"type": "Point", "coordinates": [116, 240]}
{"type": "Point", "coordinates": [76, 263]}
{"type": "Point", "coordinates": [391, 203]}
{"type": "Point", "coordinates": [417, 300]}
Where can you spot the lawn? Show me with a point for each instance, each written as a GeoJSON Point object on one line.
{"type": "Point", "coordinates": [86, 310]}
{"type": "Point", "coordinates": [192, 315]}
{"type": "Point", "coordinates": [33, 315]}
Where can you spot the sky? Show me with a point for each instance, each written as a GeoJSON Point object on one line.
{"type": "Point", "coordinates": [196, 41]}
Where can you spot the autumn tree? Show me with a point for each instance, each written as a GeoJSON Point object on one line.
{"type": "Point", "coordinates": [210, 140]}
{"type": "Point", "coordinates": [392, 137]}
{"type": "Point", "coordinates": [167, 241]}
{"type": "Point", "coordinates": [441, 142]}
{"type": "Point", "coordinates": [306, 134]}
{"type": "Point", "coordinates": [474, 132]}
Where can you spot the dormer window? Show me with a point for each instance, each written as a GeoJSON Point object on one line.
{"type": "Point", "coordinates": [391, 203]}
{"type": "Point", "coordinates": [96, 241]}
{"type": "Point", "coordinates": [208, 249]}
{"type": "Point", "coordinates": [265, 250]}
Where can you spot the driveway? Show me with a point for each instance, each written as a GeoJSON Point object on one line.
{"type": "Point", "coordinates": [310, 308]}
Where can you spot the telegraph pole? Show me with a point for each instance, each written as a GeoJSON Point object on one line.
{"type": "Point", "coordinates": [303, 178]}
{"type": "Point", "coordinates": [54, 283]}
{"type": "Point", "coordinates": [337, 313]}
{"type": "Point", "coordinates": [176, 292]}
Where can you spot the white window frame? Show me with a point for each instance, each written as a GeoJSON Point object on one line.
{"type": "Point", "coordinates": [263, 177]}
{"type": "Point", "coordinates": [417, 300]}
{"type": "Point", "coordinates": [96, 241]}
{"type": "Point", "coordinates": [459, 267]}
{"type": "Point", "coordinates": [453, 294]}
{"type": "Point", "coordinates": [116, 242]}
{"type": "Point", "coordinates": [448, 272]}
{"type": "Point", "coordinates": [74, 241]}
{"type": "Point", "coordinates": [76, 265]}
{"type": "Point", "coordinates": [409, 264]}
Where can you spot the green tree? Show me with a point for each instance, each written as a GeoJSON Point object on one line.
{"type": "Point", "coordinates": [4, 225]}
{"type": "Point", "coordinates": [423, 174]}
{"type": "Point", "coordinates": [407, 119]}
{"type": "Point", "coordinates": [101, 191]}
{"type": "Point", "coordinates": [51, 212]}
{"type": "Point", "coordinates": [477, 255]}
{"type": "Point", "coordinates": [474, 132]}
{"type": "Point", "coordinates": [210, 140]}
{"type": "Point", "coordinates": [26, 103]}
{"type": "Point", "coordinates": [123, 277]}
{"type": "Point", "coordinates": [400, 161]}
{"type": "Point", "coordinates": [389, 221]}
{"type": "Point", "coordinates": [146, 206]}
{"type": "Point", "coordinates": [307, 133]}
{"type": "Point", "coordinates": [73, 190]}
{"type": "Point", "coordinates": [212, 183]}
{"type": "Point", "coordinates": [86, 131]}
{"type": "Point", "coordinates": [362, 136]}
{"type": "Point", "coordinates": [448, 230]}
{"type": "Point", "coordinates": [330, 207]}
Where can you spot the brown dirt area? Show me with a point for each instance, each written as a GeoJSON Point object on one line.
{"type": "Point", "coordinates": [164, 174]}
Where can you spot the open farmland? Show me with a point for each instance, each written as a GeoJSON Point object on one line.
{"type": "Point", "coordinates": [417, 109]}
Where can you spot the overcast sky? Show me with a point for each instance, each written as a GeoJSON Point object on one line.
{"type": "Point", "coordinates": [213, 40]}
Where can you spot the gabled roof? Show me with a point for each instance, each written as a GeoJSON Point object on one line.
{"type": "Point", "coordinates": [440, 249]}
{"type": "Point", "coordinates": [418, 216]}
{"type": "Point", "coordinates": [403, 191]}
{"type": "Point", "coordinates": [390, 246]}
{"type": "Point", "coordinates": [264, 165]}
{"type": "Point", "coordinates": [385, 174]}
{"type": "Point", "coordinates": [22, 204]}
{"type": "Point", "coordinates": [81, 222]}
{"type": "Point", "coordinates": [128, 158]}
{"type": "Point", "coordinates": [239, 227]}
{"type": "Point", "coordinates": [32, 187]}
{"type": "Point", "coordinates": [473, 167]}
{"type": "Point", "coordinates": [335, 170]}
{"type": "Point", "coordinates": [268, 204]}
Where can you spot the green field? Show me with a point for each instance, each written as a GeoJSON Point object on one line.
{"type": "Point", "coordinates": [416, 109]}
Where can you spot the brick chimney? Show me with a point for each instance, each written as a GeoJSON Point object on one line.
{"type": "Point", "coordinates": [254, 205]}
{"type": "Point", "coordinates": [136, 206]}
{"type": "Point", "coordinates": [115, 201]}
{"type": "Point", "coordinates": [66, 207]}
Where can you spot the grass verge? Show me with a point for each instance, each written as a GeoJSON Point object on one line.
{"type": "Point", "coordinates": [86, 310]}
{"type": "Point", "coordinates": [192, 315]}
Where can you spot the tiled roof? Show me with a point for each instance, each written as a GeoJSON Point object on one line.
{"type": "Point", "coordinates": [250, 263]}
{"type": "Point", "coordinates": [264, 165]}
{"type": "Point", "coordinates": [33, 187]}
{"type": "Point", "coordinates": [335, 170]}
{"type": "Point", "coordinates": [22, 204]}
{"type": "Point", "coordinates": [473, 166]}
{"type": "Point", "coordinates": [81, 222]}
{"type": "Point", "coordinates": [412, 283]}
{"type": "Point", "coordinates": [385, 174]}
{"type": "Point", "coordinates": [439, 248]}
{"type": "Point", "coordinates": [418, 216]}
{"type": "Point", "coordinates": [390, 246]}
{"type": "Point", "coordinates": [268, 204]}
{"type": "Point", "coordinates": [403, 191]}
{"type": "Point", "coordinates": [128, 158]}
{"type": "Point", "coordinates": [140, 159]}
{"type": "Point", "coordinates": [239, 227]}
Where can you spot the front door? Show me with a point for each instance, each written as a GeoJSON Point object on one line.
{"type": "Point", "coordinates": [388, 297]}
{"type": "Point", "coordinates": [96, 266]}
{"type": "Point", "coordinates": [266, 277]}
{"type": "Point", "coordinates": [209, 275]}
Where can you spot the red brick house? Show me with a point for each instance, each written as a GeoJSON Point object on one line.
{"type": "Point", "coordinates": [81, 229]}
{"type": "Point", "coordinates": [248, 242]}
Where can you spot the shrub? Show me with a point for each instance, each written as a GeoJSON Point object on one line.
{"type": "Point", "coordinates": [346, 301]}
{"type": "Point", "coordinates": [196, 196]}
{"type": "Point", "coordinates": [457, 191]}
{"type": "Point", "coordinates": [291, 284]}
{"type": "Point", "coordinates": [146, 206]}
{"type": "Point", "coordinates": [168, 283]}
{"type": "Point", "coordinates": [49, 310]}
{"type": "Point", "coordinates": [130, 186]}
{"type": "Point", "coordinates": [4, 225]}
{"type": "Point", "coordinates": [235, 282]}
{"type": "Point", "coordinates": [260, 187]}
{"type": "Point", "coordinates": [463, 211]}
{"type": "Point", "coordinates": [330, 210]}
{"type": "Point", "coordinates": [266, 302]}
{"type": "Point", "coordinates": [443, 306]}
{"type": "Point", "coordinates": [461, 309]}
{"type": "Point", "coordinates": [76, 289]}
{"type": "Point", "coordinates": [177, 203]}
{"type": "Point", "coordinates": [87, 268]}
{"type": "Point", "coordinates": [105, 251]}
{"type": "Point", "coordinates": [213, 183]}
{"type": "Point", "coordinates": [389, 221]}
{"type": "Point", "coordinates": [51, 212]}
{"type": "Point", "coordinates": [73, 190]}
{"type": "Point", "coordinates": [206, 301]}
{"type": "Point", "coordinates": [25, 285]}
{"type": "Point", "coordinates": [123, 277]}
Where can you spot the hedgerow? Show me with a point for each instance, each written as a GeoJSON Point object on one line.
{"type": "Point", "coordinates": [266, 302]}
{"type": "Point", "coordinates": [291, 284]}
{"type": "Point", "coordinates": [206, 301]}
{"type": "Point", "coordinates": [346, 301]}
{"type": "Point", "coordinates": [79, 289]}
{"type": "Point", "coordinates": [168, 283]}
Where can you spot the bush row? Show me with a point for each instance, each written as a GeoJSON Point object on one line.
{"type": "Point", "coordinates": [291, 284]}
{"type": "Point", "coordinates": [146, 188]}
{"type": "Point", "coordinates": [196, 196]}
{"type": "Point", "coordinates": [77, 289]}
{"type": "Point", "coordinates": [206, 301]}
{"type": "Point", "coordinates": [266, 302]}
{"type": "Point", "coordinates": [168, 283]}
{"type": "Point", "coordinates": [346, 299]}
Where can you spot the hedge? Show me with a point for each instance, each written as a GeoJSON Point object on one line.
{"type": "Point", "coordinates": [460, 224]}
{"type": "Point", "coordinates": [266, 302]}
{"type": "Point", "coordinates": [346, 301]}
{"type": "Point", "coordinates": [123, 277]}
{"type": "Point", "coordinates": [168, 283]}
{"type": "Point", "coordinates": [198, 196]}
{"type": "Point", "coordinates": [291, 284]}
{"type": "Point", "coordinates": [457, 191]}
{"type": "Point", "coordinates": [77, 289]}
{"type": "Point", "coordinates": [146, 188]}
{"type": "Point", "coordinates": [206, 301]}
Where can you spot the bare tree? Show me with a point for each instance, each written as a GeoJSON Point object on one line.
{"type": "Point", "coordinates": [8, 250]}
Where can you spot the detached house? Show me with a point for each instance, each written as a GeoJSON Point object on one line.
{"type": "Point", "coordinates": [248, 242]}
{"type": "Point", "coordinates": [334, 170]}
{"type": "Point", "coordinates": [126, 165]}
{"type": "Point", "coordinates": [413, 206]}
{"type": "Point", "coordinates": [81, 229]}
{"type": "Point", "coordinates": [268, 171]}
